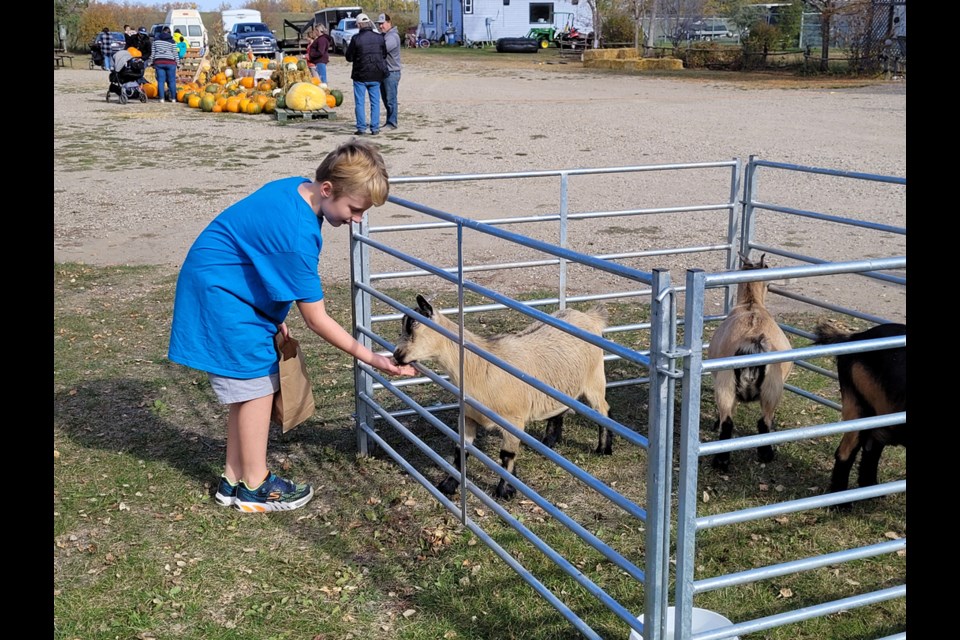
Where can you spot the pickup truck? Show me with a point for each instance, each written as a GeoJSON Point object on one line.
{"type": "Point", "coordinates": [253, 35]}
{"type": "Point", "coordinates": [342, 34]}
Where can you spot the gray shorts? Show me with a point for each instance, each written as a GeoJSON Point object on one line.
{"type": "Point", "coordinates": [231, 390]}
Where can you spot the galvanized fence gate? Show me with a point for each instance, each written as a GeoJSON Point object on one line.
{"type": "Point", "coordinates": [472, 258]}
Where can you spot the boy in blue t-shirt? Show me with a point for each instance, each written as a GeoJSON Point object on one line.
{"type": "Point", "coordinates": [235, 288]}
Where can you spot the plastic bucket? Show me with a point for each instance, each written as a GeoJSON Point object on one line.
{"type": "Point", "coordinates": [451, 38]}
{"type": "Point", "coordinates": [702, 620]}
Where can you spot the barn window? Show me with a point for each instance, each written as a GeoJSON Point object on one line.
{"type": "Point", "coordinates": [541, 12]}
{"type": "Point", "coordinates": [468, 6]}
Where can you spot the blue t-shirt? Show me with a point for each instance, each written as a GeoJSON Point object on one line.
{"type": "Point", "coordinates": [240, 278]}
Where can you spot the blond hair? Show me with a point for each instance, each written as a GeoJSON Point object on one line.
{"type": "Point", "coordinates": [356, 168]}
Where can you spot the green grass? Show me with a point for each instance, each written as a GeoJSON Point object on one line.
{"type": "Point", "coordinates": [142, 551]}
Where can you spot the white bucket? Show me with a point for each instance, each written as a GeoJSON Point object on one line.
{"type": "Point", "coordinates": [701, 620]}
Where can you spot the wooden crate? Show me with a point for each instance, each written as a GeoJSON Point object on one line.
{"type": "Point", "coordinates": [285, 115]}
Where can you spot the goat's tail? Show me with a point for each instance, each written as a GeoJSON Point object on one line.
{"type": "Point", "coordinates": [828, 333]}
{"type": "Point", "coordinates": [749, 380]}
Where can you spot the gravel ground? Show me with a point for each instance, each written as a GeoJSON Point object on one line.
{"type": "Point", "coordinates": [135, 183]}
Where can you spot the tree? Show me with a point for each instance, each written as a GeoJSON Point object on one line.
{"type": "Point", "coordinates": [829, 9]}
{"type": "Point", "coordinates": [66, 15]}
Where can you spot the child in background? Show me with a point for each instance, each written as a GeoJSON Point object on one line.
{"type": "Point", "coordinates": [235, 288]}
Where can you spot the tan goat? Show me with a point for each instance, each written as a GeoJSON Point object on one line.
{"type": "Point", "coordinates": [556, 358]}
{"type": "Point", "coordinates": [749, 329]}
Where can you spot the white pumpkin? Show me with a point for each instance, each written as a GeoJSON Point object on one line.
{"type": "Point", "coordinates": [228, 72]}
{"type": "Point", "coordinates": [291, 66]}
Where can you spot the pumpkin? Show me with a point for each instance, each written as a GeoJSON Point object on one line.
{"type": "Point", "coordinates": [331, 101]}
{"type": "Point", "coordinates": [228, 72]}
{"type": "Point", "coordinates": [315, 80]}
{"type": "Point", "coordinates": [212, 88]}
{"type": "Point", "coordinates": [306, 96]}
{"type": "Point", "coordinates": [151, 90]}
{"type": "Point", "coordinates": [289, 59]}
{"type": "Point", "coordinates": [207, 102]}
{"type": "Point", "coordinates": [301, 65]}
{"type": "Point", "coordinates": [265, 85]}
{"type": "Point", "coordinates": [258, 65]}
{"type": "Point", "coordinates": [218, 108]}
{"type": "Point", "coordinates": [270, 105]}
{"type": "Point", "coordinates": [233, 104]}
{"type": "Point", "coordinates": [253, 107]}
{"type": "Point", "coordinates": [193, 101]}
{"type": "Point", "coordinates": [247, 82]}
{"type": "Point", "coordinates": [338, 96]}
{"type": "Point", "coordinates": [281, 101]}
{"type": "Point", "coordinates": [264, 62]}
{"type": "Point", "coordinates": [291, 66]}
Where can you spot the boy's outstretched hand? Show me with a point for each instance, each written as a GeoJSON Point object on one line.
{"type": "Point", "coordinates": [389, 365]}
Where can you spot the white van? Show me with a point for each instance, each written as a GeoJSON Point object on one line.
{"type": "Point", "coordinates": [190, 25]}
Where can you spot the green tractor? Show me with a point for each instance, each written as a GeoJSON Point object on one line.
{"type": "Point", "coordinates": [547, 34]}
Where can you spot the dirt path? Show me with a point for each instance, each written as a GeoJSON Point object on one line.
{"type": "Point", "coordinates": [135, 184]}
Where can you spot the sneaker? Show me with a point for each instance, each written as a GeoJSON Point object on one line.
{"type": "Point", "coordinates": [273, 494]}
{"type": "Point", "coordinates": [392, 127]}
{"type": "Point", "coordinates": [162, 100]}
{"type": "Point", "coordinates": [375, 133]}
{"type": "Point", "coordinates": [226, 494]}
{"type": "Point", "coordinates": [358, 132]}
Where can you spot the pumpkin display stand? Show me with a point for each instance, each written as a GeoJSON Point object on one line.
{"type": "Point", "coordinates": [284, 115]}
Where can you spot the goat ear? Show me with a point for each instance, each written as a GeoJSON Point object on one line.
{"type": "Point", "coordinates": [762, 264]}
{"type": "Point", "coordinates": [744, 260]}
{"type": "Point", "coordinates": [425, 307]}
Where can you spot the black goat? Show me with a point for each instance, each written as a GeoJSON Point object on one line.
{"type": "Point", "coordinates": [872, 383]}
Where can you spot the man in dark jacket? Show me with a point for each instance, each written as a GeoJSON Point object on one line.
{"type": "Point", "coordinates": [145, 44]}
{"type": "Point", "coordinates": [368, 53]}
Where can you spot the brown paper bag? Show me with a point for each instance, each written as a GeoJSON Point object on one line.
{"type": "Point", "coordinates": [293, 403]}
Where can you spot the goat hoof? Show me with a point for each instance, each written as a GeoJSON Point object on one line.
{"type": "Point", "coordinates": [448, 487]}
{"type": "Point", "coordinates": [843, 507]}
{"type": "Point", "coordinates": [721, 464]}
{"type": "Point", "coordinates": [550, 441]}
{"type": "Point", "coordinates": [765, 454]}
{"type": "Point", "coordinates": [604, 451]}
{"type": "Point", "coordinates": [505, 491]}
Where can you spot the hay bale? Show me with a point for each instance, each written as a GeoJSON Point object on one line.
{"type": "Point", "coordinates": [662, 64]}
{"type": "Point", "coordinates": [627, 54]}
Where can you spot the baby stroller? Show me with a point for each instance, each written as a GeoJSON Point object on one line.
{"type": "Point", "coordinates": [126, 82]}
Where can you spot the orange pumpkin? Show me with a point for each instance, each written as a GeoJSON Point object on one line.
{"type": "Point", "coordinates": [151, 90]}
{"type": "Point", "coordinates": [290, 60]}
{"type": "Point", "coordinates": [233, 105]}
{"type": "Point", "coordinates": [315, 80]}
{"type": "Point", "coordinates": [217, 108]}
{"type": "Point", "coordinates": [194, 101]}
{"type": "Point", "coordinates": [247, 82]}
{"type": "Point", "coordinates": [253, 107]}
{"type": "Point", "coordinates": [331, 101]}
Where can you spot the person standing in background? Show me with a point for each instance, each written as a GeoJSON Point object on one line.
{"type": "Point", "coordinates": [104, 41]}
{"type": "Point", "coordinates": [145, 44]}
{"type": "Point", "coordinates": [390, 82]}
{"type": "Point", "coordinates": [318, 52]}
{"type": "Point", "coordinates": [129, 37]}
{"type": "Point", "coordinates": [368, 54]}
{"type": "Point", "coordinates": [181, 43]}
{"type": "Point", "coordinates": [165, 59]}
